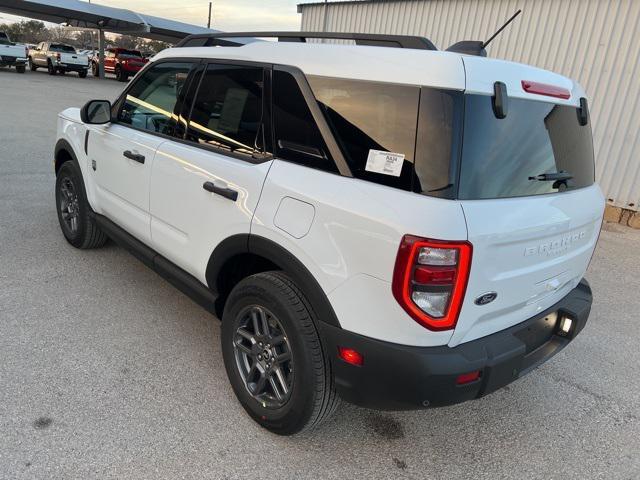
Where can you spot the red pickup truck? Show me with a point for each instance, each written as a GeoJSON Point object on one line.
{"type": "Point", "coordinates": [121, 61]}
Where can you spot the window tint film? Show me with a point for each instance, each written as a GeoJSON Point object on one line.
{"type": "Point", "coordinates": [298, 138]}
{"type": "Point", "coordinates": [370, 119]}
{"type": "Point", "coordinates": [227, 112]}
{"type": "Point", "coordinates": [54, 47]}
{"type": "Point", "coordinates": [438, 142]}
{"type": "Point", "coordinates": [506, 158]}
{"type": "Point", "coordinates": [152, 102]}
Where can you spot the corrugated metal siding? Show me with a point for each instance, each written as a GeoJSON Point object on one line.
{"type": "Point", "coordinates": [596, 42]}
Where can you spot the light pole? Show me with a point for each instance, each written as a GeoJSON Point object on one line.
{"type": "Point", "coordinates": [209, 21]}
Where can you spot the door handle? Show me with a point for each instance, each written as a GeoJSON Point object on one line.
{"type": "Point", "coordinates": [136, 157]}
{"type": "Point", "coordinates": [226, 192]}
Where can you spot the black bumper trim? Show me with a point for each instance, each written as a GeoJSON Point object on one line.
{"type": "Point", "coordinates": [400, 377]}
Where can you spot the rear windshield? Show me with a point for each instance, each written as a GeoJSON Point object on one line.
{"type": "Point", "coordinates": [129, 53]}
{"type": "Point", "coordinates": [62, 48]}
{"type": "Point", "coordinates": [509, 157]}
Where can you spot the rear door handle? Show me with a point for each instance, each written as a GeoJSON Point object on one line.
{"type": "Point", "coordinates": [226, 192]}
{"type": "Point", "coordinates": [136, 157]}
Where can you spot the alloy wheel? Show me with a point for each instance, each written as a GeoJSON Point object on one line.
{"type": "Point", "coordinates": [263, 357]}
{"type": "Point", "coordinates": [69, 205]}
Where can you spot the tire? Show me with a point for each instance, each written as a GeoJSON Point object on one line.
{"type": "Point", "coordinates": [82, 74]}
{"type": "Point", "coordinates": [94, 69]}
{"type": "Point", "coordinates": [121, 75]}
{"type": "Point", "coordinates": [71, 203]}
{"type": "Point", "coordinates": [287, 315]}
{"type": "Point", "coordinates": [21, 68]}
{"type": "Point", "coordinates": [50, 68]}
{"type": "Point", "coordinates": [32, 66]}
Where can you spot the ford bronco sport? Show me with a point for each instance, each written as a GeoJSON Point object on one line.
{"type": "Point", "coordinates": [397, 227]}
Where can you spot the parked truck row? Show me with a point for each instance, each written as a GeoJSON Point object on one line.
{"type": "Point", "coordinates": [60, 58]}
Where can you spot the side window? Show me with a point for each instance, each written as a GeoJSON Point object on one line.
{"type": "Point", "coordinates": [372, 121]}
{"type": "Point", "coordinates": [298, 138]}
{"type": "Point", "coordinates": [151, 102]}
{"type": "Point", "coordinates": [227, 112]}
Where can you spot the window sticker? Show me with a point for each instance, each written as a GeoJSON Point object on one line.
{"type": "Point", "coordinates": [386, 163]}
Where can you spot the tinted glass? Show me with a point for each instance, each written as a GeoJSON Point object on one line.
{"type": "Point", "coordinates": [152, 102]}
{"type": "Point", "coordinates": [227, 112]}
{"type": "Point", "coordinates": [503, 158]}
{"type": "Point", "coordinates": [297, 136]}
{"type": "Point", "coordinates": [368, 116]}
{"type": "Point", "coordinates": [438, 142]}
{"type": "Point", "coordinates": [129, 53]}
{"type": "Point", "coordinates": [62, 48]}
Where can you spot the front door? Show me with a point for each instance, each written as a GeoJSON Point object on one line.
{"type": "Point", "coordinates": [206, 188]}
{"type": "Point", "coordinates": [121, 154]}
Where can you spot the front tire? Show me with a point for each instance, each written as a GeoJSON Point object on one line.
{"type": "Point", "coordinates": [74, 213]}
{"type": "Point", "coordinates": [274, 357]}
{"type": "Point", "coordinates": [94, 69]}
{"type": "Point", "coordinates": [50, 68]}
{"type": "Point", "coordinates": [32, 66]}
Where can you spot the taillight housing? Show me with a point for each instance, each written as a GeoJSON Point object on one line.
{"type": "Point", "coordinates": [545, 89]}
{"type": "Point", "coordinates": [58, 56]}
{"type": "Point", "coordinates": [430, 279]}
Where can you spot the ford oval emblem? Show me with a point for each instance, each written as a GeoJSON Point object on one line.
{"type": "Point", "coordinates": [486, 298]}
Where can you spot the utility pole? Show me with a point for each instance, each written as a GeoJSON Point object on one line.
{"type": "Point", "coordinates": [209, 21]}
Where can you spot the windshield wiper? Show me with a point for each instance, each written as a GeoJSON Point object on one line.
{"type": "Point", "coordinates": [553, 177]}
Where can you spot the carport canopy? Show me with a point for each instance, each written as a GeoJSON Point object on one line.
{"type": "Point", "coordinates": [88, 15]}
{"type": "Point", "coordinates": [79, 14]}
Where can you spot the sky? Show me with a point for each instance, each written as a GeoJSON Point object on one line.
{"type": "Point", "coordinates": [228, 15]}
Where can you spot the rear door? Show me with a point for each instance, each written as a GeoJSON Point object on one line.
{"type": "Point", "coordinates": [121, 154]}
{"type": "Point", "coordinates": [532, 209]}
{"type": "Point", "coordinates": [206, 187]}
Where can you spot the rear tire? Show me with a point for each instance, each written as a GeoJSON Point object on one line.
{"type": "Point", "coordinates": [21, 68]}
{"type": "Point", "coordinates": [74, 212]}
{"type": "Point", "coordinates": [82, 74]}
{"type": "Point", "coordinates": [284, 322]}
{"type": "Point", "coordinates": [32, 66]}
{"type": "Point", "coordinates": [121, 75]}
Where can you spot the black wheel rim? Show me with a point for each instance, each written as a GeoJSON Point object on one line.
{"type": "Point", "coordinates": [69, 205]}
{"type": "Point", "coordinates": [263, 357]}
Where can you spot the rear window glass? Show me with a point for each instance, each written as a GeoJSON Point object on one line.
{"type": "Point", "coordinates": [129, 53]}
{"type": "Point", "coordinates": [505, 158]}
{"type": "Point", "coordinates": [62, 48]}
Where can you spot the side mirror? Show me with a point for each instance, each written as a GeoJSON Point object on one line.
{"type": "Point", "coordinates": [96, 112]}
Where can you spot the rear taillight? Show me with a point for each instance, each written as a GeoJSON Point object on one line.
{"type": "Point", "coordinates": [58, 56]}
{"type": "Point", "coordinates": [430, 279]}
{"type": "Point", "coordinates": [26, 51]}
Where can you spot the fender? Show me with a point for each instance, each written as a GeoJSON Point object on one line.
{"type": "Point", "coordinates": [279, 256]}
{"type": "Point", "coordinates": [61, 145]}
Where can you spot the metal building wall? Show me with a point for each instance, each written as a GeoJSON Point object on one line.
{"type": "Point", "coordinates": [596, 42]}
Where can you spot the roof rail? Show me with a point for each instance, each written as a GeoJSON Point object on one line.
{"type": "Point", "coordinates": [371, 39]}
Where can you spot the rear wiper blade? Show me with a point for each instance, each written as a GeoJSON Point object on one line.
{"type": "Point", "coordinates": [552, 177]}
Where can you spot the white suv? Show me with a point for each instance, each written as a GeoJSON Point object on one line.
{"type": "Point", "coordinates": [398, 227]}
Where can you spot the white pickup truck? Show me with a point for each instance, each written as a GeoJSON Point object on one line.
{"type": "Point", "coordinates": [58, 58]}
{"type": "Point", "coordinates": [11, 54]}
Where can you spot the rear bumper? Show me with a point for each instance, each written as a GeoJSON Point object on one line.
{"type": "Point", "coordinates": [70, 67]}
{"type": "Point", "coordinates": [400, 377]}
{"type": "Point", "coordinates": [7, 60]}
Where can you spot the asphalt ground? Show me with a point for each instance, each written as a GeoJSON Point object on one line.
{"type": "Point", "coordinates": [107, 371]}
